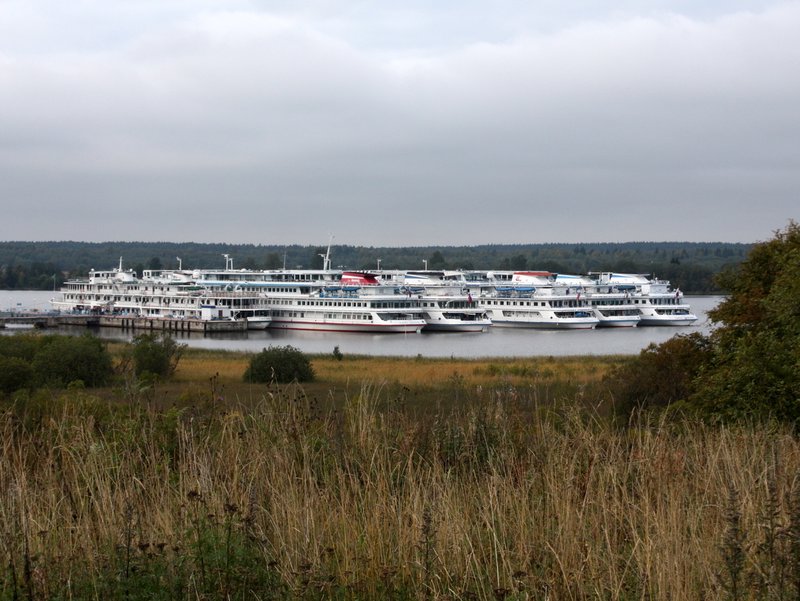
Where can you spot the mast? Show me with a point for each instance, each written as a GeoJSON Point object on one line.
{"type": "Point", "coordinates": [326, 258]}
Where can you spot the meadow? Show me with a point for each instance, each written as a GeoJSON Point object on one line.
{"type": "Point", "coordinates": [388, 479]}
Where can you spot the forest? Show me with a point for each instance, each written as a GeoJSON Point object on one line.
{"type": "Point", "coordinates": [690, 265]}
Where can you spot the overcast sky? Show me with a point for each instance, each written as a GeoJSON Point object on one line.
{"type": "Point", "coordinates": [395, 123]}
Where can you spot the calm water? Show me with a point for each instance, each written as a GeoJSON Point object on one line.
{"type": "Point", "coordinates": [497, 342]}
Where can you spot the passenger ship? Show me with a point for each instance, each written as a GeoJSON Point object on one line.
{"type": "Point", "coordinates": [657, 303]}
{"type": "Point", "coordinates": [446, 302]}
{"type": "Point", "coordinates": [612, 306]}
{"type": "Point", "coordinates": [323, 300]}
{"type": "Point", "coordinates": [163, 295]}
{"type": "Point", "coordinates": [533, 299]}
{"type": "Point", "coordinates": [343, 309]}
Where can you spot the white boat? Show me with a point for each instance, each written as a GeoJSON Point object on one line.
{"type": "Point", "coordinates": [95, 293]}
{"type": "Point", "coordinates": [532, 299]}
{"type": "Point", "coordinates": [460, 313]}
{"type": "Point", "coordinates": [614, 308]}
{"type": "Point", "coordinates": [336, 308]}
{"type": "Point", "coordinates": [257, 319]}
{"type": "Point", "coordinates": [446, 303]}
{"type": "Point", "coordinates": [657, 302]}
{"type": "Point", "coordinates": [161, 295]}
{"type": "Point", "coordinates": [323, 300]}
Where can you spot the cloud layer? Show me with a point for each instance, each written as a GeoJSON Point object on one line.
{"type": "Point", "coordinates": [169, 122]}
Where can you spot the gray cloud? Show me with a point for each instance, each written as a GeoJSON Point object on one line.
{"type": "Point", "coordinates": [280, 126]}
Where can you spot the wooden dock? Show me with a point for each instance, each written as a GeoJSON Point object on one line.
{"type": "Point", "coordinates": [125, 322]}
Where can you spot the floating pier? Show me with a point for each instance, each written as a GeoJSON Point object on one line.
{"type": "Point", "coordinates": [202, 326]}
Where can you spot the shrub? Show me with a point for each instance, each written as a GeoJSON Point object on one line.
{"type": "Point", "coordinates": [15, 374]}
{"type": "Point", "coordinates": [64, 359]}
{"type": "Point", "coordinates": [660, 375]}
{"type": "Point", "coordinates": [280, 364]}
{"type": "Point", "coordinates": [156, 354]}
{"type": "Point", "coordinates": [748, 367]}
{"type": "Point", "coordinates": [22, 346]}
{"type": "Point", "coordinates": [753, 371]}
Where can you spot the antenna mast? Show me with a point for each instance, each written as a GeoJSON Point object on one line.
{"type": "Point", "coordinates": [326, 258]}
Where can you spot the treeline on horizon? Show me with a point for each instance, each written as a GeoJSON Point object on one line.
{"type": "Point", "coordinates": [692, 266]}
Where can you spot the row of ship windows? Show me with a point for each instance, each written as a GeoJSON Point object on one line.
{"type": "Point", "coordinates": [536, 303]}
{"type": "Point", "coordinates": [308, 303]}
{"type": "Point", "coordinates": [347, 316]}
{"type": "Point", "coordinates": [373, 305]}
{"type": "Point", "coordinates": [134, 299]}
{"type": "Point", "coordinates": [654, 301]}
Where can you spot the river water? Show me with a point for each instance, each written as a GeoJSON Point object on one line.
{"type": "Point", "coordinates": [497, 342]}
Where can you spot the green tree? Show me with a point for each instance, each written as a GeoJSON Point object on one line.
{"type": "Point", "coordinates": [437, 260]}
{"type": "Point", "coordinates": [754, 370]}
{"type": "Point", "coordinates": [15, 373]}
{"type": "Point", "coordinates": [64, 359]}
{"type": "Point", "coordinates": [749, 367]}
{"type": "Point", "coordinates": [280, 364]}
{"type": "Point", "coordinates": [518, 263]}
{"type": "Point", "coordinates": [156, 354]}
{"type": "Point", "coordinates": [273, 261]}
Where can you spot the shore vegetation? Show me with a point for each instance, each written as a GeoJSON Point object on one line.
{"type": "Point", "coordinates": [386, 478]}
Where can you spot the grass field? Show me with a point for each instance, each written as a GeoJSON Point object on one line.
{"type": "Point", "coordinates": [418, 381]}
{"type": "Point", "coordinates": [387, 479]}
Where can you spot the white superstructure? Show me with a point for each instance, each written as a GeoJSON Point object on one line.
{"type": "Point", "coordinates": [163, 295]}
{"type": "Point", "coordinates": [533, 299]}
{"type": "Point", "coordinates": [614, 308]}
{"type": "Point", "coordinates": [657, 302]}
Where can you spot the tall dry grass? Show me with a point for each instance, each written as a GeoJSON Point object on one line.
{"type": "Point", "coordinates": [496, 499]}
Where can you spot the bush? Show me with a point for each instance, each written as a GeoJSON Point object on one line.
{"type": "Point", "coordinates": [280, 364]}
{"type": "Point", "coordinates": [64, 359]}
{"type": "Point", "coordinates": [156, 354]}
{"type": "Point", "coordinates": [21, 346]}
{"type": "Point", "coordinates": [660, 375]}
{"type": "Point", "coordinates": [15, 374]}
{"type": "Point", "coordinates": [748, 366]}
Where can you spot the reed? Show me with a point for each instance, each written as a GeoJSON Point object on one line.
{"type": "Point", "coordinates": [500, 497]}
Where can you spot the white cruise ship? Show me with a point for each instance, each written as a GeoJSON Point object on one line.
{"type": "Point", "coordinates": [613, 307]}
{"type": "Point", "coordinates": [532, 299]}
{"type": "Point", "coordinates": [657, 302]}
{"type": "Point", "coordinates": [323, 300]}
{"type": "Point", "coordinates": [446, 302]}
{"type": "Point", "coordinates": [337, 308]}
{"type": "Point", "coordinates": [162, 295]}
